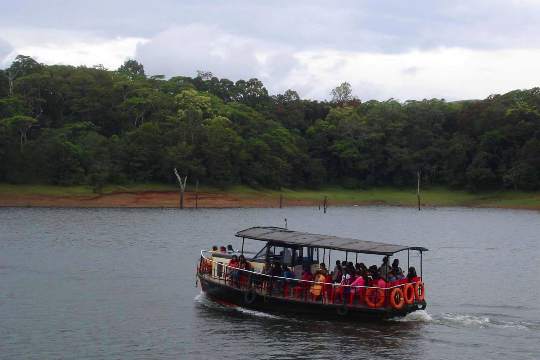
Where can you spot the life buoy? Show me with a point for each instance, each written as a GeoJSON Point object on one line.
{"type": "Point", "coordinates": [419, 291]}
{"type": "Point", "coordinates": [397, 299]}
{"type": "Point", "coordinates": [408, 293]}
{"type": "Point", "coordinates": [375, 297]}
{"type": "Point", "coordinates": [250, 296]}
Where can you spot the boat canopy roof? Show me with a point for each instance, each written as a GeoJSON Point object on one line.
{"type": "Point", "coordinates": [289, 237]}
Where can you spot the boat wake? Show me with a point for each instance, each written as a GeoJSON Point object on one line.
{"type": "Point", "coordinates": [481, 321]}
{"type": "Point", "coordinates": [465, 320]}
{"type": "Point", "coordinates": [203, 300]}
{"type": "Point", "coordinates": [417, 316]}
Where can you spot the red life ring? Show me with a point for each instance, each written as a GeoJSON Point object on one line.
{"type": "Point", "coordinates": [397, 300]}
{"type": "Point", "coordinates": [419, 291]}
{"type": "Point", "coordinates": [408, 292]}
{"type": "Point", "coordinates": [375, 297]}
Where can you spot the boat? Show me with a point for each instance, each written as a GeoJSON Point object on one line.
{"type": "Point", "coordinates": [252, 286]}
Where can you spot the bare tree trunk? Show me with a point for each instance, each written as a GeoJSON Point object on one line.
{"type": "Point", "coordinates": [182, 183]}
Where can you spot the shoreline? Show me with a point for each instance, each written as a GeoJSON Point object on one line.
{"type": "Point", "coordinates": [224, 199]}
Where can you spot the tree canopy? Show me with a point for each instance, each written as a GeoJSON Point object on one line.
{"type": "Point", "coordinates": [79, 125]}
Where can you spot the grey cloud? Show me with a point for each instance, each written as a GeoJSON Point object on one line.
{"type": "Point", "coordinates": [184, 50]}
{"type": "Point", "coordinates": [382, 26]}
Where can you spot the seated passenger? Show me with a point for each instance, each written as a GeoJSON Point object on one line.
{"type": "Point", "coordinates": [322, 269]}
{"type": "Point", "coordinates": [242, 263]}
{"type": "Point", "coordinates": [306, 274]}
{"type": "Point", "coordinates": [398, 273]}
{"type": "Point", "coordinates": [222, 249]}
{"type": "Point", "coordinates": [287, 273]}
{"type": "Point", "coordinates": [337, 274]}
{"type": "Point", "coordinates": [319, 278]}
{"type": "Point", "coordinates": [233, 263]}
{"type": "Point", "coordinates": [232, 266]}
{"type": "Point", "coordinates": [411, 275]}
{"type": "Point", "coordinates": [358, 286]}
{"type": "Point", "coordinates": [378, 281]}
{"type": "Point", "coordinates": [384, 270]}
{"type": "Point", "coordinates": [230, 249]}
{"type": "Point", "coordinates": [267, 268]}
{"type": "Point", "coordinates": [214, 248]}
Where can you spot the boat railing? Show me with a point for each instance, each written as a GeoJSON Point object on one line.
{"type": "Point", "coordinates": [299, 289]}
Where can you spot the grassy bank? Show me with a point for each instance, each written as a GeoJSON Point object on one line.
{"type": "Point", "coordinates": [163, 195]}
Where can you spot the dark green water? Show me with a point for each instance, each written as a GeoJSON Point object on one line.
{"type": "Point", "coordinates": [119, 284]}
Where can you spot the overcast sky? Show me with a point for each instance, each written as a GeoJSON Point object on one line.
{"type": "Point", "coordinates": [385, 49]}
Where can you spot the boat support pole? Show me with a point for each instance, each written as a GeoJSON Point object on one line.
{"type": "Point", "coordinates": [242, 251]}
{"type": "Point", "coordinates": [421, 263]}
{"type": "Point", "coordinates": [329, 262]}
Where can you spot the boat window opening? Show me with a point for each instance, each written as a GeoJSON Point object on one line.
{"type": "Point", "coordinates": [219, 269]}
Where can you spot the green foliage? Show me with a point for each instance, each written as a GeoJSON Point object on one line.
{"type": "Point", "coordinates": [77, 125]}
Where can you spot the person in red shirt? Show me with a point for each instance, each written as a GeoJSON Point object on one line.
{"type": "Point", "coordinates": [231, 268]}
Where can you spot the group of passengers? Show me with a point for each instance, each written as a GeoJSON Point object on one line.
{"type": "Point", "coordinates": [353, 276]}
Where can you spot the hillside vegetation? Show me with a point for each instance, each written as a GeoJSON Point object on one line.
{"type": "Point", "coordinates": [65, 125]}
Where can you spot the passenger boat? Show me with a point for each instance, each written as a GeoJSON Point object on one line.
{"type": "Point", "coordinates": [258, 290]}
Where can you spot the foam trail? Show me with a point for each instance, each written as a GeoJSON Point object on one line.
{"type": "Point", "coordinates": [416, 316]}
{"type": "Point", "coordinates": [205, 301]}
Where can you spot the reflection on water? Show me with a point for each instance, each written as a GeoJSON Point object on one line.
{"type": "Point", "coordinates": [119, 283]}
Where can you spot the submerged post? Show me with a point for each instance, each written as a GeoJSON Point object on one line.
{"type": "Point", "coordinates": [418, 174]}
{"type": "Point", "coordinates": [325, 204]}
{"type": "Point", "coordinates": [197, 194]}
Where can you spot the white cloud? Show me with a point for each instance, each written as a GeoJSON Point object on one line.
{"type": "Point", "coordinates": [52, 46]}
{"type": "Point", "coordinates": [451, 73]}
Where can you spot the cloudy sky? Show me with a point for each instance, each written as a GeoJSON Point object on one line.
{"type": "Point", "coordinates": [385, 49]}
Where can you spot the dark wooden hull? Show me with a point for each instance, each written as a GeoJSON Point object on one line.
{"type": "Point", "coordinates": [220, 292]}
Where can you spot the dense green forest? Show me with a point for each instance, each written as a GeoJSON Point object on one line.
{"type": "Point", "coordinates": [78, 125]}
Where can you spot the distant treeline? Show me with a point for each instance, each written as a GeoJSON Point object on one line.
{"type": "Point", "coordinates": [78, 125]}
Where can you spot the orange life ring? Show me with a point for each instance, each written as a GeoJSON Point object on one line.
{"type": "Point", "coordinates": [375, 297]}
{"type": "Point", "coordinates": [419, 291]}
{"type": "Point", "coordinates": [408, 292]}
{"type": "Point", "coordinates": [397, 299]}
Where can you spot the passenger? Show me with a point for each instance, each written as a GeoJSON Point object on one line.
{"type": "Point", "coordinates": [373, 272]}
{"type": "Point", "coordinates": [276, 269]}
{"type": "Point", "coordinates": [232, 269]}
{"type": "Point", "coordinates": [358, 287]}
{"type": "Point", "coordinates": [378, 281]}
{"type": "Point", "coordinates": [384, 270]}
{"type": "Point", "coordinates": [338, 266]}
{"type": "Point", "coordinates": [411, 275]}
{"type": "Point", "coordinates": [230, 249]}
{"type": "Point", "coordinates": [337, 274]}
{"type": "Point", "coordinates": [287, 273]}
{"type": "Point", "coordinates": [398, 272]}
{"type": "Point", "coordinates": [233, 263]}
{"type": "Point", "coordinates": [306, 274]}
{"type": "Point", "coordinates": [222, 249]}
{"type": "Point", "coordinates": [267, 268]}
{"type": "Point", "coordinates": [286, 256]}
{"type": "Point", "coordinates": [319, 278]}
{"type": "Point", "coordinates": [243, 264]}
{"type": "Point", "coordinates": [322, 269]}
{"type": "Point", "coordinates": [214, 249]}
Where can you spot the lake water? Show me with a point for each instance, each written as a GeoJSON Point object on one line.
{"type": "Point", "coordinates": [120, 284]}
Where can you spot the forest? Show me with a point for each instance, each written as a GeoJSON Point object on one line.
{"type": "Point", "coordinates": [69, 125]}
